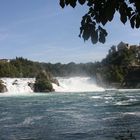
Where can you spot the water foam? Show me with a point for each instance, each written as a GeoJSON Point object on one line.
{"type": "Point", "coordinates": [18, 85]}
{"type": "Point", "coordinates": [31, 120]}
{"type": "Point", "coordinates": [77, 84]}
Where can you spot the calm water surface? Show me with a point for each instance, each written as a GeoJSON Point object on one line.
{"type": "Point", "coordinates": [70, 116]}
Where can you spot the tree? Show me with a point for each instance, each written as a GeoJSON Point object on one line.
{"type": "Point", "coordinates": [101, 12]}
{"type": "Point", "coordinates": [43, 83]}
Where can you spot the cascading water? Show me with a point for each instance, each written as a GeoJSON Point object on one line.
{"type": "Point", "coordinates": [18, 85]}
{"type": "Point", "coordinates": [76, 84]}
{"type": "Point", "coordinates": [72, 84]}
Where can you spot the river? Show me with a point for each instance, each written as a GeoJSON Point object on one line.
{"type": "Point", "coordinates": [102, 115]}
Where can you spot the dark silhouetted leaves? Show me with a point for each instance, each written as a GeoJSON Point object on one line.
{"type": "Point", "coordinates": [90, 2]}
{"type": "Point", "coordinates": [129, 10]}
{"type": "Point", "coordinates": [102, 38]}
{"type": "Point", "coordinates": [67, 2]}
{"type": "Point", "coordinates": [94, 37]}
{"type": "Point", "coordinates": [72, 3]}
{"type": "Point", "coordinates": [62, 3]}
{"type": "Point", "coordinates": [102, 34]}
{"type": "Point", "coordinates": [81, 1]}
{"type": "Point", "coordinates": [86, 34]}
{"type": "Point", "coordinates": [88, 29]}
{"type": "Point", "coordinates": [123, 13]}
{"type": "Point", "coordinates": [132, 22]}
{"type": "Point", "coordinates": [137, 21]}
{"type": "Point", "coordinates": [101, 12]}
{"type": "Point", "coordinates": [110, 10]}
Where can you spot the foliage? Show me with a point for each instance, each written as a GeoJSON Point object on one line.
{"type": "Point", "coordinates": [21, 67]}
{"type": "Point", "coordinates": [101, 12]}
{"type": "Point", "coordinates": [117, 64]}
{"type": "Point", "coordinates": [26, 68]}
{"type": "Point", "coordinates": [72, 69]}
{"type": "Point", "coordinates": [43, 83]}
{"type": "Point", "coordinates": [43, 86]}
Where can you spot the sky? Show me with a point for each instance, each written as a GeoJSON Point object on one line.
{"type": "Point", "coordinates": [41, 30]}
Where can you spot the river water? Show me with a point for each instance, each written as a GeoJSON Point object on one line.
{"type": "Point", "coordinates": [105, 115]}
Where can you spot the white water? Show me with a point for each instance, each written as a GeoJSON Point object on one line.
{"type": "Point", "coordinates": [18, 85]}
{"type": "Point", "coordinates": [76, 84]}
{"type": "Point", "coordinates": [72, 84]}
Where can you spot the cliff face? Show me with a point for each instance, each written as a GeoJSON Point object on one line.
{"type": "Point", "coordinates": [3, 88]}
{"type": "Point", "coordinates": [132, 79]}
{"type": "Point", "coordinates": [121, 67]}
{"type": "Point", "coordinates": [101, 81]}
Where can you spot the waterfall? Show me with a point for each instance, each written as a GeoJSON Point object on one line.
{"type": "Point", "coordinates": [71, 84]}
{"type": "Point", "coordinates": [76, 84]}
{"type": "Point", "coordinates": [18, 85]}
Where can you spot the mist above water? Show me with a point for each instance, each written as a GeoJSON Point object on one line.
{"type": "Point", "coordinates": [77, 84]}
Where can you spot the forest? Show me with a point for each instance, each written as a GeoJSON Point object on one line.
{"type": "Point", "coordinates": [21, 67]}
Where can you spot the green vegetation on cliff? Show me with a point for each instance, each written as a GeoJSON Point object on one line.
{"type": "Point", "coordinates": [19, 67]}
{"type": "Point", "coordinates": [121, 60]}
{"type": "Point", "coordinates": [43, 83]}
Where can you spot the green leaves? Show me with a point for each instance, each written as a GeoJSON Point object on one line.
{"type": "Point", "coordinates": [43, 83]}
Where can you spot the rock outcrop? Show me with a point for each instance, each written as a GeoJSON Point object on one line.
{"type": "Point", "coordinates": [43, 83]}
{"type": "Point", "coordinates": [132, 79]}
{"type": "Point", "coordinates": [2, 87]}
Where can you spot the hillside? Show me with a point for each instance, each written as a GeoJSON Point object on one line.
{"type": "Point", "coordinates": [121, 67]}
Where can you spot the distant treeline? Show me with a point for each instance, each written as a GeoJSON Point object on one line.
{"type": "Point", "coordinates": [72, 69]}
{"type": "Point", "coordinates": [21, 67]}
